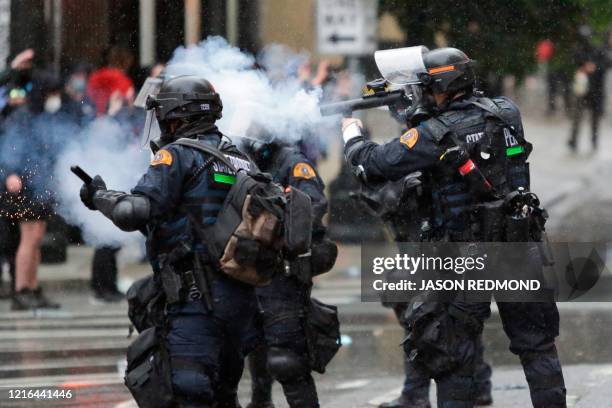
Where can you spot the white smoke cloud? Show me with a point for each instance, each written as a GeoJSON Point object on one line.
{"type": "Point", "coordinates": [102, 149]}
{"type": "Point", "coordinates": [248, 94]}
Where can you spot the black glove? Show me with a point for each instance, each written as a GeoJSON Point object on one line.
{"type": "Point", "coordinates": [88, 190]}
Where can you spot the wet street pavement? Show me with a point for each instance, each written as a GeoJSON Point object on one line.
{"type": "Point", "coordinates": [82, 347]}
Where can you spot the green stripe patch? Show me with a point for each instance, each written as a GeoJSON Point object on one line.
{"type": "Point", "coordinates": [514, 150]}
{"type": "Point", "coordinates": [224, 178]}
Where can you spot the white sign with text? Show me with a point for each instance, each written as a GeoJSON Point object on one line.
{"type": "Point", "coordinates": [347, 27]}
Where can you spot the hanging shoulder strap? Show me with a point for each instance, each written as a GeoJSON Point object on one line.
{"type": "Point", "coordinates": [194, 144]}
{"type": "Point", "coordinates": [489, 106]}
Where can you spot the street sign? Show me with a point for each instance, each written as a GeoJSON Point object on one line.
{"type": "Point", "coordinates": [346, 27]}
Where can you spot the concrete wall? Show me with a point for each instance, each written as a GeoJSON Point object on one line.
{"type": "Point", "coordinates": [291, 22]}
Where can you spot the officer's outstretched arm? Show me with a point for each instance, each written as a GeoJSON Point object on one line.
{"type": "Point", "coordinates": [412, 151]}
{"type": "Point", "coordinates": [129, 212]}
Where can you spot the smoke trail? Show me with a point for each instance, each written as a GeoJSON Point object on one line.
{"type": "Point", "coordinates": [248, 94]}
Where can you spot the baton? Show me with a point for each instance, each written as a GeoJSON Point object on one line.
{"type": "Point", "coordinates": [82, 174]}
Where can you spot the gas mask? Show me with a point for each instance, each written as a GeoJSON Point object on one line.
{"type": "Point", "coordinates": [403, 68]}
{"type": "Point", "coordinates": [414, 108]}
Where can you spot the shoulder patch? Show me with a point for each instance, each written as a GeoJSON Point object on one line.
{"type": "Point", "coordinates": [304, 170]}
{"type": "Point", "coordinates": [409, 138]}
{"type": "Point", "coordinates": [162, 157]}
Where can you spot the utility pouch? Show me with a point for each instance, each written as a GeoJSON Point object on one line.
{"type": "Point", "coordinates": [148, 375]}
{"type": "Point", "coordinates": [172, 284]}
{"type": "Point", "coordinates": [324, 253]}
{"type": "Point", "coordinates": [491, 218]}
{"type": "Point", "coordinates": [247, 251]}
{"type": "Point", "coordinates": [301, 268]}
{"type": "Point", "coordinates": [145, 303]}
{"type": "Point", "coordinates": [384, 200]}
{"type": "Point", "coordinates": [322, 334]}
{"type": "Point", "coordinates": [298, 220]}
{"type": "Point", "coordinates": [172, 279]}
{"type": "Point", "coordinates": [517, 228]}
{"type": "Point", "coordinates": [434, 336]}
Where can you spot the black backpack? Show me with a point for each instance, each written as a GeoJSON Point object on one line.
{"type": "Point", "coordinates": [145, 304]}
{"type": "Point", "coordinates": [258, 220]}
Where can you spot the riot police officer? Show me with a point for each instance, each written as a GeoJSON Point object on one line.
{"type": "Point", "coordinates": [460, 124]}
{"type": "Point", "coordinates": [284, 355]}
{"type": "Point", "coordinates": [405, 206]}
{"type": "Point", "coordinates": [208, 323]}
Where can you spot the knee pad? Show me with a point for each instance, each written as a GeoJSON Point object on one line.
{"type": "Point", "coordinates": [285, 365]}
{"type": "Point", "coordinates": [192, 386]}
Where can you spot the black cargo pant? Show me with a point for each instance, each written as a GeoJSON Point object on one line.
{"type": "Point", "coordinates": [284, 354]}
{"type": "Point", "coordinates": [532, 328]}
{"type": "Point", "coordinates": [416, 383]}
{"type": "Point", "coordinates": [207, 347]}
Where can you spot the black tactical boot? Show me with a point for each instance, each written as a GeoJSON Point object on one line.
{"type": "Point", "coordinates": [261, 380]}
{"type": "Point", "coordinates": [404, 401]}
{"type": "Point", "coordinates": [301, 393]}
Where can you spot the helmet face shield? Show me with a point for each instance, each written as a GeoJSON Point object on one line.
{"type": "Point", "coordinates": [151, 86]}
{"type": "Point", "coordinates": [401, 66]}
{"type": "Point", "coordinates": [151, 129]}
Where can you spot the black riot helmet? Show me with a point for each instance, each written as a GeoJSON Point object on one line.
{"type": "Point", "coordinates": [186, 98]}
{"type": "Point", "coordinates": [449, 70]}
{"type": "Point", "coordinates": [443, 70]}
{"type": "Point", "coordinates": [261, 145]}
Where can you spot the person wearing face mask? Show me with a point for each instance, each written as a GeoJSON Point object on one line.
{"type": "Point", "coordinates": [75, 103]}
{"type": "Point", "coordinates": [32, 132]}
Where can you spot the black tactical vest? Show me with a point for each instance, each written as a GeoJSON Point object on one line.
{"type": "Point", "coordinates": [492, 132]}
{"type": "Point", "coordinates": [204, 192]}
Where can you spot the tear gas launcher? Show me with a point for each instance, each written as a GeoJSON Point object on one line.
{"type": "Point", "coordinates": [376, 93]}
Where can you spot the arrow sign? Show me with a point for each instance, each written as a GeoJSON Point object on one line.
{"type": "Point", "coordinates": [336, 38]}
